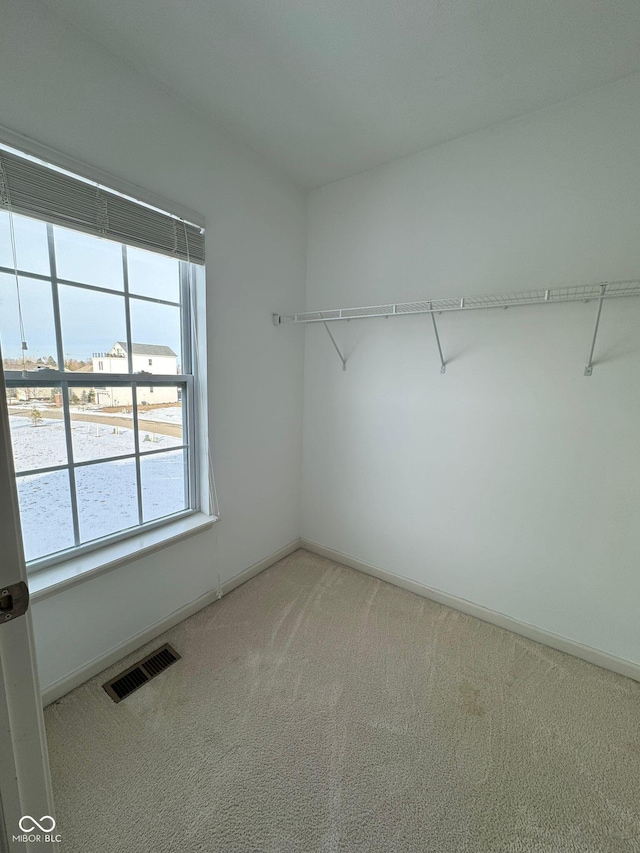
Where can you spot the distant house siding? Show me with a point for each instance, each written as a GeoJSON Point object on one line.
{"type": "Point", "coordinates": [142, 362]}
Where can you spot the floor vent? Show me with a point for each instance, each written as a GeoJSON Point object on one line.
{"type": "Point", "coordinates": [131, 679]}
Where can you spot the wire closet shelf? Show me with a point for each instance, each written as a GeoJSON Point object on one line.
{"type": "Point", "coordinates": [606, 290]}
{"type": "Point", "coordinates": [582, 293]}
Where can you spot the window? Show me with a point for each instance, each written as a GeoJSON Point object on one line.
{"type": "Point", "coordinates": [95, 461]}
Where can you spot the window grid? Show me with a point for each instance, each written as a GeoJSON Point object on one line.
{"type": "Point", "coordinates": [64, 380]}
{"type": "Point", "coordinates": [140, 297]}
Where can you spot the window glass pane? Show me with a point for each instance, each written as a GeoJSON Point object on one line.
{"type": "Point", "coordinates": [153, 275]}
{"type": "Point", "coordinates": [155, 332]}
{"type": "Point", "coordinates": [107, 498]}
{"type": "Point", "coordinates": [32, 251]}
{"type": "Point", "coordinates": [45, 513]}
{"type": "Point", "coordinates": [87, 259]}
{"type": "Point", "coordinates": [37, 316]}
{"type": "Point", "coordinates": [37, 428]}
{"type": "Point", "coordinates": [101, 422]}
{"type": "Point", "coordinates": [163, 477]}
{"type": "Point", "coordinates": [160, 416]}
{"type": "Point", "coordinates": [93, 330]}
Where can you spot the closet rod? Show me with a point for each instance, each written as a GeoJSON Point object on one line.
{"type": "Point", "coordinates": [582, 293]}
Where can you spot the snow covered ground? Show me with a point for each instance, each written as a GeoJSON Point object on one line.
{"type": "Point", "coordinates": [45, 513]}
{"type": "Point", "coordinates": [44, 446]}
{"type": "Point", "coordinates": [168, 415]}
{"type": "Point", "coordinates": [106, 491]}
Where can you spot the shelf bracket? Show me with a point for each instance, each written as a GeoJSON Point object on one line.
{"type": "Point", "coordinates": [589, 368]}
{"type": "Point", "coordinates": [333, 341]}
{"type": "Point", "coordinates": [443, 364]}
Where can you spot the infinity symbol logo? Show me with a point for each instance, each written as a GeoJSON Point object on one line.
{"type": "Point", "coordinates": [26, 827]}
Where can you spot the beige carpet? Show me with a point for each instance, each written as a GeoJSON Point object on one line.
{"type": "Point", "coordinates": [318, 709]}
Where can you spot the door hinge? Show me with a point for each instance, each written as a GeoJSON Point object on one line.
{"type": "Point", "coordinates": [14, 601]}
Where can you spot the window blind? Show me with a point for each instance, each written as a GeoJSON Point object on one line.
{"type": "Point", "coordinates": [35, 190]}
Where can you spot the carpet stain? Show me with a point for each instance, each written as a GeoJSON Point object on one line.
{"type": "Point", "coordinates": [470, 700]}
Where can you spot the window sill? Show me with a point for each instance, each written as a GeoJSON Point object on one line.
{"type": "Point", "coordinates": [50, 581]}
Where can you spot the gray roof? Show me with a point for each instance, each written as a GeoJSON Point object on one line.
{"type": "Point", "coordinates": [147, 349]}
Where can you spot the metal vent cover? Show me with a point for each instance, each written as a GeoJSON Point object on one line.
{"type": "Point", "coordinates": [136, 676]}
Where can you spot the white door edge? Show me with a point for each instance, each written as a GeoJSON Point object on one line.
{"type": "Point", "coordinates": [25, 781]}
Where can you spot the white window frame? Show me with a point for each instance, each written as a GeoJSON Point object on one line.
{"type": "Point", "coordinates": [202, 510]}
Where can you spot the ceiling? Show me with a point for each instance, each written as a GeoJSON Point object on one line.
{"type": "Point", "coordinates": [327, 88]}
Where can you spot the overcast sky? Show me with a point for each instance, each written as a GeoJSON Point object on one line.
{"type": "Point", "coordinates": [91, 321]}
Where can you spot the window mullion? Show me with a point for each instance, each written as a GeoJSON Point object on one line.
{"type": "Point", "coordinates": [136, 444]}
{"type": "Point", "coordinates": [50, 470]}
{"type": "Point", "coordinates": [127, 308]}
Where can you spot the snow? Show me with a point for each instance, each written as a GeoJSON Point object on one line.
{"type": "Point", "coordinates": [44, 446]}
{"type": "Point", "coordinates": [166, 415]}
{"type": "Point", "coordinates": [45, 513]}
{"type": "Point", "coordinates": [106, 491]}
{"type": "Point", "coordinates": [163, 483]}
{"type": "Point", "coordinates": [37, 446]}
{"type": "Point", "coordinates": [107, 498]}
{"type": "Point", "coordinates": [169, 415]}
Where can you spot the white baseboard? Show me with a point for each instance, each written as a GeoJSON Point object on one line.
{"type": "Point", "coordinates": [79, 676]}
{"type": "Point", "coordinates": [547, 638]}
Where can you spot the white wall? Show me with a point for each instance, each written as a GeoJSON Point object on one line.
{"type": "Point", "coordinates": [512, 481]}
{"type": "Point", "coordinates": [63, 90]}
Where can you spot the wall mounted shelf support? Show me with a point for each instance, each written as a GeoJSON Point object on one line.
{"type": "Point", "coordinates": [443, 364]}
{"type": "Point", "coordinates": [333, 341]}
{"type": "Point", "coordinates": [589, 368]}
